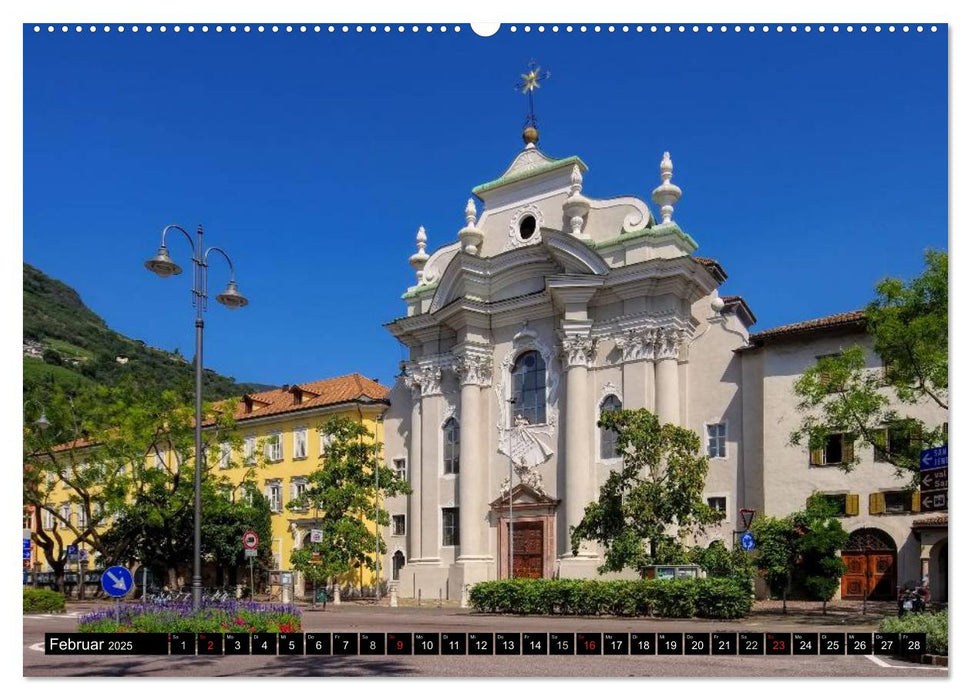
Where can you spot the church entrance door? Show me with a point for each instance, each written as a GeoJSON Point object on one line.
{"type": "Point", "coordinates": [527, 550]}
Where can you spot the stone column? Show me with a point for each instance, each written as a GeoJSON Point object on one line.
{"type": "Point", "coordinates": [667, 389]}
{"type": "Point", "coordinates": [414, 476]}
{"type": "Point", "coordinates": [637, 349]}
{"type": "Point", "coordinates": [473, 371]}
{"type": "Point", "coordinates": [578, 352]}
{"type": "Point", "coordinates": [430, 469]}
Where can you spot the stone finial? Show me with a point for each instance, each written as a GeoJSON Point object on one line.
{"type": "Point", "coordinates": [666, 194]}
{"type": "Point", "coordinates": [576, 181]}
{"type": "Point", "coordinates": [419, 259]}
{"type": "Point", "coordinates": [576, 205]}
{"type": "Point", "coordinates": [470, 236]}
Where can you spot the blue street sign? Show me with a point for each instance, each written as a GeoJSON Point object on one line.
{"type": "Point", "coordinates": [26, 548]}
{"type": "Point", "coordinates": [72, 552]}
{"type": "Point", "coordinates": [748, 541]}
{"type": "Point", "coordinates": [116, 581]}
{"type": "Point", "coordinates": [933, 458]}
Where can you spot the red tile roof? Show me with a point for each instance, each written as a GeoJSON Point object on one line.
{"type": "Point", "coordinates": [843, 320]}
{"type": "Point", "coordinates": [938, 520]}
{"type": "Point", "coordinates": [735, 300]}
{"type": "Point", "coordinates": [325, 392]}
{"type": "Point", "coordinates": [712, 266]}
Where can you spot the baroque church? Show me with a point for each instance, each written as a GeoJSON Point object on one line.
{"type": "Point", "coordinates": [549, 307]}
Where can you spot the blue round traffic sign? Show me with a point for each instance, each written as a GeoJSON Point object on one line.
{"type": "Point", "coordinates": [748, 541]}
{"type": "Point", "coordinates": [116, 581]}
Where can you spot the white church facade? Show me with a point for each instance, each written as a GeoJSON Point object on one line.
{"type": "Point", "coordinates": [547, 308]}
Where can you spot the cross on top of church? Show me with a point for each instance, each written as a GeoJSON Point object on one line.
{"type": "Point", "coordinates": [530, 82]}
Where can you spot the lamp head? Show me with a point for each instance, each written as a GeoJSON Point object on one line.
{"type": "Point", "coordinates": [42, 423]}
{"type": "Point", "coordinates": [162, 265]}
{"type": "Point", "coordinates": [231, 298]}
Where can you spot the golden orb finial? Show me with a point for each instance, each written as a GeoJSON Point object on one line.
{"type": "Point", "coordinates": [530, 135]}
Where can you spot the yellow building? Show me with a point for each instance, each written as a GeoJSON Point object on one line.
{"type": "Point", "coordinates": [287, 425]}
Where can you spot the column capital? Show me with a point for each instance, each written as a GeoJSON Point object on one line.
{"type": "Point", "coordinates": [578, 350]}
{"type": "Point", "coordinates": [637, 344]}
{"type": "Point", "coordinates": [473, 367]}
{"type": "Point", "coordinates": [423, 379]}
{"type": "Point", "coordinates": [668, 344]}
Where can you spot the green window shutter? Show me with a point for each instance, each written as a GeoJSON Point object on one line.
{"type": "Point", "coordinates": [852, 504]}
{"type": "Point", "coordinates": [816, 457]}
{"type": "Point", "coordinates": [848, 439]}
{"type": "Point", "coordinates": [878, 504]}
{"type": "Point", "coordinates": [915, 501]}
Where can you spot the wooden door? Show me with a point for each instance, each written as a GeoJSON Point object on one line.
{"type": "Point", "coordinates": [872, 574]}
{"type": "Point", "coordinates": [527, 552]}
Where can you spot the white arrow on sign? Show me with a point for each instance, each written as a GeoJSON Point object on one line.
{"type": "Point", "coordinates": [116, 582]}
{"type": "Point", "coordinates": [926, 459]}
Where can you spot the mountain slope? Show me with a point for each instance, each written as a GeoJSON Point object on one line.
{"type": "Point", "coordinates": [67, 343]}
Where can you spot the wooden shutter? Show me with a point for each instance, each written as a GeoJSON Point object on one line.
{"type": "Point", "coordinates": [915, 501]}
{"type": "Point", "coordinates": [852, 504]}
{"type": "Point", "coordinates": [848, 439]}
{"type": "Point", "coordinates": [878, 504]}
{"type": "Point", "coordinates": [816, 457]}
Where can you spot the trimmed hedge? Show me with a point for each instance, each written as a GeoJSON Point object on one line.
{"type": "Point", "coordinates": [934, 624]}
{"type": "Point", "coordinates": [716, 598]}
{"type": "Point", "coordinates": [42, 600]}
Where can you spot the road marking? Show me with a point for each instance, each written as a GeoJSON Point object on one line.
{"type": "Point", "coordinates": [881, 662]}
{"type": "Point", "coordinates": [37, 647]}
{"type": "Point", "coordinates": [48, 616]}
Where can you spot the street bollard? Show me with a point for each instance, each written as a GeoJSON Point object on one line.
{"type": "Point", "coordinates": [465, 596]}
{"type": "Point", "coordinates": [393, 589]}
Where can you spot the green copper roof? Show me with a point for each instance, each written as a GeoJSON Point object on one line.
{"type": "Point", "coordinates": [417, 290]}
{"type": "Point", "coordinates": [532, 171]}
{"type": "Point", "coordinates": [655, 232]}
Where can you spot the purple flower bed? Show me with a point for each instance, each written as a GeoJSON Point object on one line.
{"type": "Point", "coordinates": [225, 616]}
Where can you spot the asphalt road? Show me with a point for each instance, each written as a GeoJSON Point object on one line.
{"type": "Point", "coordinates": [354, 618]}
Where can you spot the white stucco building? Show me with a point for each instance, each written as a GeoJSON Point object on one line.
{"type": "Point", "coordinates": [547, 307]}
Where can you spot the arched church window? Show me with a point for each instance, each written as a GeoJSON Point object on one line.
{"type": "Point", "coordinates": [397, 564]}
{"type": "Point", "coordinates": [608, 438]}
{"type": "Point", "coordinates": [451, 437]}
{"type": "Point", "coordinates": [529, 388]}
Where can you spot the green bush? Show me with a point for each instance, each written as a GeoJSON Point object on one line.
{"type": "Point", "coordinates": [934, 624]}
{"type": "Point", "coordinates": [711, 598]}
{"type": "Point", "coordinates": [42, 600]}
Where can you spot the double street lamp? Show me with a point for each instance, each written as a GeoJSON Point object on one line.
{"type": "Point", "coordinates": [163, 266]}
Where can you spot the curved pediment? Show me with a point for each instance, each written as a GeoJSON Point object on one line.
{"type": "Point", "coordinates": [515, 272]}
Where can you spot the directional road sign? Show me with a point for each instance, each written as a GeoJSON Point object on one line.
{"type": "Point", "coordinates": [748, 541]}
{"type": "Point", "coordinates": [933, 500]}
{"type": "Point", "coordinates": [250, 540]}
{"type": "Point", "coordinates": [26, 548]}
{"type": "Point", "coordinates": [116, 581]}
{"type": "Point", "coordinates": [933, 458]}
{"type": "Point", "coordinates": [933, 480]}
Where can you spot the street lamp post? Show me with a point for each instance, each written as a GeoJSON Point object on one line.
{"type": "Point", "coordinates": [163, 266]}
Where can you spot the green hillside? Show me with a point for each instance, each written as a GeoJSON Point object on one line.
{"type": "Point", "coordinates": [65, 342]}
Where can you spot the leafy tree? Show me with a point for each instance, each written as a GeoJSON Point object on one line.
{"type": "Point", "coordinates": [345, 498]}
{"type": "Point", "coordinates": [801, 551]}
{"type": "Point", "coordinates": [717, 561]}
{"type": "Point", "coordinates": [908, 323]}
{"type": "Point", "coordinates": [105, 447]}
{"type": "Point", "coordinates": [655, 497]}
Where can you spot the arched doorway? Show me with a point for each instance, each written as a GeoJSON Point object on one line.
{"type": "Point", "coordinates": [397, 564]}
{"type": "Point", "coordinates": [938, 575]}
{"type": "Point", "coordinates": [870, 557]}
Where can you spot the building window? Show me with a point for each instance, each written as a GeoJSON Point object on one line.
{"type": "Point", "coordinates": [894, 502]}
{"type": "Point", "coordinates": [159, 459]}
{"type": "Point", "coordinates": [224, 452]}
{"type": "Point", "coordinates": [274, 447]}
{"type": "Point", "coordinates": [717, 440]}
{"type": "Point", "coordinates": [397, 564]}
{"type": "Point", "coordinates": [398, 525]}
{"type": "Point", "coordinates": [719, 503]}
{"type": "Point", "coordinates": [608, 438]}
{"type": "Point", "coordinates": [66, 514]}
{"type": "Point", "coordinates": [838, 449]}
{"type": "Point", "coordinates": [529, 388]}
{"type": "Point", "coordinates": [451, 438]}
{"type": "Point", "coordinates": [824, 376]}
{"type": "Point", "coordinates": [249, 449]}
{"type": "Point", "coordinates": [81, 515]}
{"type": "Point", "coordinates": [274, 494]}
{"type": "Point", "coordinates": [450, 527]}
{"type": "Point", "coordinates": [897, 442]}
{"type": "Point", "coordinates": [298, 489]}
{"type": "Point", "coordinates": [48, 520]}
{"type": "Point", "coordinates": [300, 443]}
{"type": "Point", "coordinates": [839, 504]}
{"type": "Point", "coordinates": [28, 520]}
{"type": "Point", "coordinates": [401, 469]}
{"type": "Point", "coordinates": [326, 440]}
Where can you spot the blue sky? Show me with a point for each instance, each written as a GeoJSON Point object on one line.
{"type": "Point", "coordinates": [812, 165]}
